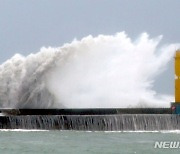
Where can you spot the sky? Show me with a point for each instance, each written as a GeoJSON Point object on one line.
{"type": "Point", "coordinates": [26, 26]}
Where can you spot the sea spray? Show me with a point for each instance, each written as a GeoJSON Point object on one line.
{"type": "Point", "coordinates": [95, 72]}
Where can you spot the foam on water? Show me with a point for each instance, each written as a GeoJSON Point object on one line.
{"type": "Point", "coordinates": [146, 131]}
{"type": "Point", "coordinates": [103, 71]}
{"type": "Point", "coordinates": [22, 130]}
{"type": "Point", "coordinates": [139, 131]}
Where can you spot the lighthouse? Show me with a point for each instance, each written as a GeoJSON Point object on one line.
{"type": "Point", "coordinates": [176, 105]}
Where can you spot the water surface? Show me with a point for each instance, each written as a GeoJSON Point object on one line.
{"type": "Point", "coordinates": [76, 142]}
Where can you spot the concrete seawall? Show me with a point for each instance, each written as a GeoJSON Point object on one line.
{"type": "Point", "coordinates": [147, 119]}
{"type": "Point", "coordinates": [119, 122]}
{"type": "Point", "coordinates": [90, 111]}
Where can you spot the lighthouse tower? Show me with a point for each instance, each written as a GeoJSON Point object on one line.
{"type": "Point", "coordinates": [176, 106]}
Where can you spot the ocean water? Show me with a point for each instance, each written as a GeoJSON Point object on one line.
{"type": "Point", "coordinates": [81, 142]}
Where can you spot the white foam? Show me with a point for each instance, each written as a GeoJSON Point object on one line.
{"type": "Point", "coordinates": [23, 130]}
{"type": "Point", "coordinates": [103, 71]}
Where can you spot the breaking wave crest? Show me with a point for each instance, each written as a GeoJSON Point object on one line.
{"type": "Point", "coordinates": [103, 71]}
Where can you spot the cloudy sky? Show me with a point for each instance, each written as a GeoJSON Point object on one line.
{"type": "Point", "coordinates": [26, 26]}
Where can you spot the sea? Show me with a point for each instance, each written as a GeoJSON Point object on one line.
{"type": "Point", "coordinates": [19, 141]}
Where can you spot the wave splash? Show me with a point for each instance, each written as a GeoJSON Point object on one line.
{"type": "Point", "coordinates": [95, 72]}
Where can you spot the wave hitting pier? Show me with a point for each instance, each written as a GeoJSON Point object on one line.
{"type": "Point", "coordinates": [146, 119]}
{"type": "Point", "coordinates": [129, 119]}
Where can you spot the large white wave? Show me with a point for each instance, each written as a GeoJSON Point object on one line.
{"type": "Point", "coordinates": [102, 71]}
